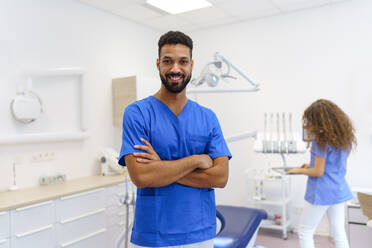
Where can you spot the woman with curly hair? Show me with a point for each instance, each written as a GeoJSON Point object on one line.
{"type": "Point", "coordinates": [332, 137]}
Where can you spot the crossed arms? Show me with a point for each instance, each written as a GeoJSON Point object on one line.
{"type": "Point", "coordinates": [146, 169]}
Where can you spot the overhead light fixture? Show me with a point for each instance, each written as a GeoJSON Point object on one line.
{"type": "Point", "coordinates": [178, 6]}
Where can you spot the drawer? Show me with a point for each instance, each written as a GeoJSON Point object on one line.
{"type": "Point", "coordinates": [4, 243]}
{"type": "Point", "coordinates": [5, 225]}
{"type": "Point", "coordinates": [117, 189]}
{"type": "Point", "coordinates": [356, 215]}
{"type": "Point", "coordinates": [116, 217]}
{"type": "Point", "coordinates": [32, 217]}
{"type": "Point", "coordinates": [93, 240]}
{"type": "Point", "coordinates": [72, 229]}
{"type": "Point", "coordinates": [79, 204]}
{"type": "Point", "coordinates": [113, 234]}
{"type": "Point", "coordinates": [40, 238]}
{"type": "Point", "coordinates": [360, 236]}
{"type": "Point", "coordinates": [115, 200]}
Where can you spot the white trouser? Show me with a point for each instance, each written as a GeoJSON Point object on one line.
{"type": "Point", "coordinates": [313, 214]}
{"type": "Point", "coordinates": [204, 244]}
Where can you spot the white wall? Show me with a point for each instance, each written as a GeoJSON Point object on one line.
{"type": "Point", "coordinates": [45, 34]}
{"type": "Point", "coordinates": [297, 58]}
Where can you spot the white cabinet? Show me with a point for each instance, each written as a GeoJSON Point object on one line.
{"type": "Point", "coordinates": [81, 218]}
{"type": "Point", "coordinates": [360, 235]}
{"type": "Point", "coordinates": [115, 214]}
{"type": "Point", "coordinates": [33, 225]}
{"type": "Point", "coordinates": [80, 204]}
{"type": "Point", "coordinates": [34, 217]}
{"type": "Point", "coordinates": [91, 219]}
{"type": "Point", "coordinates": [4, 227]}
{"type": "Point", "coordinates": [4, 243]}
{"type": "Point", "coordinates": [93, 240]}
{"type": "Point", "coordinates": [40, 238]}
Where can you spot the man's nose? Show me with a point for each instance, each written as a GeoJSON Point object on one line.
{"type": "Point", "coordinates": [176, 68]}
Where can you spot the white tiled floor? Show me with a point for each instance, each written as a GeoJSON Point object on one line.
{"type": "Point", "coordinates": [273, 239]}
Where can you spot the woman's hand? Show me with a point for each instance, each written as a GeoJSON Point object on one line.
{"type": "Point", "coordinates": [294, 171]}
{"type": "Point", "coordinates": [305, 166]}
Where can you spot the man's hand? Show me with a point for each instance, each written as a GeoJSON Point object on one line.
{"type": "Point", "coordinates": [205, 162]}
{"type": "Point", "coordinates": [147, 156]}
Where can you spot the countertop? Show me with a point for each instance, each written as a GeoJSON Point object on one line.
{"type": "Point", "coordinates": [34, 195]}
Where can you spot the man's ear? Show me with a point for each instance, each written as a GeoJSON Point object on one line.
{"type": "Point", "coordinates": [158, 64]}
{"type": "Point", "coordinates": [192, 64]}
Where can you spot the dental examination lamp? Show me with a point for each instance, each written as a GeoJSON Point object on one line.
{"type": "Point", "coordinates": [220, 69]}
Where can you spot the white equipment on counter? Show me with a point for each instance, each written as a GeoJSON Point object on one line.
{"type": "Point", "coordinates": [109, 162]}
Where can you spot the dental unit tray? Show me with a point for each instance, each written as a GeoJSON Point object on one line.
{"type": "Point", "coordinates": [283, 169]}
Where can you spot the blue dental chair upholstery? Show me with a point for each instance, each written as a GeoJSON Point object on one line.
{"type": "Point", "coordinates": [238, 226]}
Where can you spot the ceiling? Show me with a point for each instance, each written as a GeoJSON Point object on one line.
{"type": "Point", "coordinates": [222, 12]}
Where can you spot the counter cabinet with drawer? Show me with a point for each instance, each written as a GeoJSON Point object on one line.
{"type": "Point", "coordinates": [33, 225]}
{"type": "Point", "coordinates": [88, 219]}
{"type": "Point", "coordinates": [81, 218]}
{"type": "Point", "coordinates": [116, 213]}
{"type": "Point", "coordinates": [4, 230]}
{"type": "Point", "coordinates": [360, 236]}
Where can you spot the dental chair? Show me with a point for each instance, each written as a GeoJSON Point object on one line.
{"type": "Point", "coordinates": [238, 226]}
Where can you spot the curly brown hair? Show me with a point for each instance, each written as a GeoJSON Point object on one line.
{"type": "Point", "coordinates": [329, 125]}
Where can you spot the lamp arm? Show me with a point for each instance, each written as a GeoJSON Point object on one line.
{"type": "Point", "coordinates": [219, 56]}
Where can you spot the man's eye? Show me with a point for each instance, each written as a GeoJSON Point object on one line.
{"type": "Point", "coordinates": [184, 62]}
{"type": "Point", "coordinates": [166, 61]}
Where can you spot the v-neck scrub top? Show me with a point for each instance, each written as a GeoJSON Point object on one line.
{"type": "Point", "coordinates": [174, 214]}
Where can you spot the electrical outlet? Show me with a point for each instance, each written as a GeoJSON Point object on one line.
{"type": "Point", "coordinates": [43, 156]}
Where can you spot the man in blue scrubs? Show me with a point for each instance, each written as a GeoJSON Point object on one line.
{"type": "Point", "coordinates": [176, 154]}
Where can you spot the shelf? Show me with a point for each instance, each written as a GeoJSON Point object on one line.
{"type": "Point", "coordinates": [274, 226]}
{"type": "Point", "coordinates": [275, 203]}
{"type": "Point", "coordinates": [43, 137]}
{"type": "Point", "coordinates": [58, 135]}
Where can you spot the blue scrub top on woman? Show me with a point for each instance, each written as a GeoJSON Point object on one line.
{"type": "Point", "coordinates": [331, 188]}
{"type": "Point", "coordinates": [174, 214]}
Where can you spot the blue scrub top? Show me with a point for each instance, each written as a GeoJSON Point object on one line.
{"type": "Point", "coordinates": [174, 214]}
{"type": "Point", "coordinates": [331, 188]}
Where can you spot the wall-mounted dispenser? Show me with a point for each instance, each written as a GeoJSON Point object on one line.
{"type": "Point", "coordinates": [27, 105]}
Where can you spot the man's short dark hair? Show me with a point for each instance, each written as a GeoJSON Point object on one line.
{"type": "Point", "coordinates": [175, 37]}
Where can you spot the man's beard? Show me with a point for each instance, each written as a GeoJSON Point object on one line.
{"type": "Point", "coordinates": [176, 88]}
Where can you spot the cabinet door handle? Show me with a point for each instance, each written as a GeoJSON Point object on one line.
{"type": "Point", "coordinates": [83, 238]}
{"type": "Point", "coordinates": [3, 241]}
{"type": "Point", "coordinates": [34, 231]}
{"type": "Point", "coordinates": [34, 206]}
{"type": "Point", "coordinates": [82, 216]}
{"type": "Point", "coordinates": [81, 194]}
